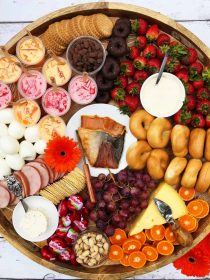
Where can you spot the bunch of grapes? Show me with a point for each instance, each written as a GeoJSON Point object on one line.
{"type": "Point", "coordinates": [119, 198]}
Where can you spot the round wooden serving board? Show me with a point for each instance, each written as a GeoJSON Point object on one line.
{"type": "Point", "coordinates": [115, 10]}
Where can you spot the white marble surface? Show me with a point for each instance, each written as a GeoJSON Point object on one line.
{"type": "Point", "coordinates": [16, 14]}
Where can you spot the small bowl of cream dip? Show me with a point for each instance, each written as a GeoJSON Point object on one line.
{"type": "Point", "coordinates": [39, 222]}
{"type": "Point", "coordinates": [163, 99]}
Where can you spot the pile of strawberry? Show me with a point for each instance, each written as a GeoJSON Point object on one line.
{"type": "Point", "coordinates": [145, 58]}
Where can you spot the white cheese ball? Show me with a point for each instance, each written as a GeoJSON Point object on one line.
{"type": "Point", "coordinates": [2, 154]}
{"type": "Point", "coordinates": [7, 115]}
{"type": "Point", "coordinates": [16, 130]}
{"type": "Point", "coordinates": [3, 129]}
{"type": "Point", "coordinates": [9, 145]}
{"type": "Point", "coordinates": [15, 162]}
{"type": "Point", "coordinates": [27, 151]}
{"type": "Point", "coordinates": [40, 146]}
{"type": "Point", "coordinates": [32, 133]}
{"type": "Point", "coordinates": [4, 169]}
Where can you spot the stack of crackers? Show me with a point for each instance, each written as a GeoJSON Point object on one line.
{"type": "Point", "coordinates": [59, 34]}
{"type": "Point", "coordinates": [72, 183]}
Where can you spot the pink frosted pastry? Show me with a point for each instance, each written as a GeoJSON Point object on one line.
{"type": "Point", "coordinates": [32, 84]}
{"type": "Point", "coordinates": [5, 95]}
{"type": "Point", "coordinates": [56, 101]}
{"type": "Point", "coordinates": [82, 90]}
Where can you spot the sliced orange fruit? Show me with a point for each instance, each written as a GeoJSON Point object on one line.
{"type": "Point", "coordinates": [119, 237]}
{"type": "Point", "coordinates": [151, 253]}
{"type": "Point", "coordinates": [124, 261]}
{"type": "Point", "coordinates": [148, 235]}
{"type": "Point", "coordinates": [115, 253]}
{"type": "Point", "coordinates": [205, 211]}
{"type": "Point", "coordinates": [188, 222]}
{"type": "Point", "coordinates": [165, 248]}
{"type": "Point", "coordinates": [141, 236]}
{"type": "Point", "coordinates": [187, 194]}
{"type": "Point", "coordinates": [195, 208]}
{"type": "Point", "coordinates": [157, 232]}
{"type": "Point", "coordinates": [137, 259]}
{"type": "Point", "coordinates": [169, 235]}
{"type": "Point", "coordinates": [131, 245]}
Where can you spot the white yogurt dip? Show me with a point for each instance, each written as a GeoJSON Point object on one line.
{"type": "Point", "coordinates": [165, 98]}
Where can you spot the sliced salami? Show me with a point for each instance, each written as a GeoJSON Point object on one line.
{"type": "Point", "coordinates": [44, 173]}
{"type": "Point", "coordinates": [12, 196]}
{"type": "Point", "coordinates": [33, 177]}
{"type": "Point", "coordinates": [24, 181]}
{"type": "Point", "coordinates": [4, 197]}
{"type": "Point", "coordinates": [51, 173]}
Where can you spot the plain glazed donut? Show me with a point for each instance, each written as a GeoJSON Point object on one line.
{"type": "Point", "coordinates": [137, 154]}
{"type": "Point", "coordinates": [139, 124]}
{"type": "Point", "coordinates": [157, 163]}
{"type": "Point", "coordinates": [203, 181]}
{"type": "Point", "coordinates": [175, 168]}
{"type": "Point", "coordinates": [179, 140]}
{"type": "Point", "coordinates": [196, 143]}
{"type": "Point", "coordinates": [159, 132]}
{"type": "Point", "coordinates": [207, 146]}
{"type": "Point", "coordinates": [189, 177]}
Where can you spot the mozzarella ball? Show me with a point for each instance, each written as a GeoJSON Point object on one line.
{"type": "Point", "coordinates": [27, 151]}
{"type": "Point", "coordinates": [32, 133]}
{"type": "Point", "coordinates": [9, 145]}
{"type": "Point", "coordinates": [3, 129]}
{"type": "Point", "coordinates": [40, 146]}
{"type": "Point", "coordinates": [2, 154]}
{"type": "Point", "coordinates": [4, 169]}
{"type": "Point", "coordinates": [7, 115]}
{"type": "Point", "coordinates": [15, 162]}
{"type": "Point", "coordinates": [16, 130]}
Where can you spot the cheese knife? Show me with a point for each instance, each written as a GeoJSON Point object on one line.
{"type": "Point", "coordinates": [182, 236]}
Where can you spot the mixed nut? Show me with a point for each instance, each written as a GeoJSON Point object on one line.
{"type": "Point", "coordinates": [91, 248]}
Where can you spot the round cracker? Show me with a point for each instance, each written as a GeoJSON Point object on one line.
{"type": "Point", "coordinates": [103, 25]}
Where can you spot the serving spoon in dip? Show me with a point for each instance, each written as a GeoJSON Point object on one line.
{"type": "Point", "coordinates": [162, 67]}
{"type": "Point", "coordinates": [15, 187]}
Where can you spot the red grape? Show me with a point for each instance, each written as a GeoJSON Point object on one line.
{"type": "Point", "coordinates": [146, 178]}
{"type": "Point", "coordinates": [144, 195]}
{"type": "Point", "coordinates": [143, 204]}
{"type": "Point", "coordinates": [100, 224]}
{"type": "Point", "coordinates": [112, 188]}
{"type": "Point", "coordinates": [111, 206]}
{"type": "Point", "coordinates": [109, 230]}
{"type": "Point", "coordinates": [101, 204]}
{"type": "Point", "coordinates": [152, 184]}
{"type": "Point", "coordinates": [122, 224]}
{"type": "Point", "coordinates": [124, 204]}
{"type": "Point", "coordinates": [93, 215]}
{"type": "Point", "coordinates": [122, 176]}
{"type": "Point", "coordinates": [116, 218]}
{"type": "Point", "coordinates": [101, 177]}
{"type": "Point", "coordinates": [124, 213]}
{"type": "Point", "coordinates": [138, 209]}
{"type": "Point", "coordinates": [98, 185]}
{"type": "Point", "coordinates": [103, 216]}
{"type": "Point", "coordinates": [134, 202]}
{"type": "Point", "coordinates": [89, 205]}
{"type": "Point", "coordinates": [135, 191]}
{"type": "Point", "coordinates": [107, 196]}
{"type": "Point", "coordinates": [125, 191]}
{"type": "Point", "coordinates": [132, 209]}
{"type": "Point", "coordinates": [139, 184]}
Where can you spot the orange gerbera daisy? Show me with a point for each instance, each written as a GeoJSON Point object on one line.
{"type": "Point", "coordinates": [62, 154]}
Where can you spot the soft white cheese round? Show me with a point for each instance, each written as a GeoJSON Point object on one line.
{"type": "Point", "coordinates": [6, 115]}
{"type": "Point", "coordinates": [4, 169]}
{"type": "Point", "coordinates": [15, 162]}
{"type": "Point", "coordinates": [9, 145]}
{"type": "Point", "coordinates": [40, 146]}
{"type": "Point", "coordinates": [3, 129]}
{"type": "Point", "coordinates": [16, 130]}
{"type": "Point", "coordinates": [2, 154]}
{"type": "Point", "coordinates": [27, 151]}
{"type": "Point", "coordinates": [32, 133]}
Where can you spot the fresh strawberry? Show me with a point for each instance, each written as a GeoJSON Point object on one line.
{"type": "Point", "coordinates": [203, 93]}
{"type": "Point", "coordinates": [208, 121]}
{"type": "Point", "coordinates": [133, 52]}
{"type": "Point", "coordinates": [206, 75]}
{"type": "Point", "coordinates": [162, 50]}
{"type": "Point", "coordinates": [127, 68]}
{"type": "Point", "coordinates": [153, 65]}
{"type": "Point", "coordinates": [132, 102]}
{"type": "Point", "coordinates": [183, 75]}
{"type": "Point", "coordinates": [163, 39]}
{"type": "Point", "coordinates": [177, 50]}
{"type": "Point", "coordinates": [182, 117]}
{"type": "Point", "coordinates": [190, 102]}
{"type": "Point", "coordinates": [140, 76]}
{"type": "Point", "coordinates": [141, 42]}
{"type": "Point", "coordinates": [190, 57]}
{"type": "Point", "coordinates": [150, 51]}
{"type": "Point", "coordinates": [139, 26]}
{"type": "Point", "coordinates": [133, 88]}
{"type": "Point", "coordinates": [197, 120]}
{"type": "Point", "coordinates": [198, 82]}
{"type": "Point", "coordinates": [195, 68]}
{"type": "Point", "coordinates": [140, 62]}
{"type": "Point", "coordinates": [189, 88]}
{"type": "Point", "coordinates": [152, 33]}
{"type": "Point", "coordinates": [121, 81]}
{"type": "Point", "coordinates": [203, 107]}
{"type": "Point", "coordinates": [118, 93]}
{"type": "Point", "coordinates": [124, 108]}
{"type": "Point", "coordinates": [173, 65]}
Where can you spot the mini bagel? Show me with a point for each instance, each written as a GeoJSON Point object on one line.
{"type": "Point", "coordinates": [175, 168]}
{"type": "Point", "coordinates": [117, 47]}
{"type": "Point", "coordinates": [111, 69]}
{"type": "Point", "coordinates": [203, 181]}
{"type": "Point", "coordinates": [179, 140]}
{"type": "Point", "coordinates": [159, 132]}
{"type": "Point", "coordinates": [137, 154]}
{"type": "Point", "coordinates": [139, 124]}
{"type": "Point", "coordinates": [196, 142]}
{"type": "Point", "coordinates": [157, 163]}
{"type": "Point", "coordinates": [207, 146]}
{"type": "Point", "coordinates": [189, 177]}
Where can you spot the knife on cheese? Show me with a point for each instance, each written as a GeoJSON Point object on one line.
{"type": "Point", "coordinates": [183, 237]}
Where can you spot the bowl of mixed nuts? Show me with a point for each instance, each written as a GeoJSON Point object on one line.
{"type": "Point", "coordinates": [91, 248]}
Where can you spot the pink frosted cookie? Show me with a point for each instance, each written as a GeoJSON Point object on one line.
{"type": "Point", "coordinates": [5, 95]}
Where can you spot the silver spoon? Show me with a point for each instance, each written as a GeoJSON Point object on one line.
{"type": "Point", "coordinates": [162, 66]}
